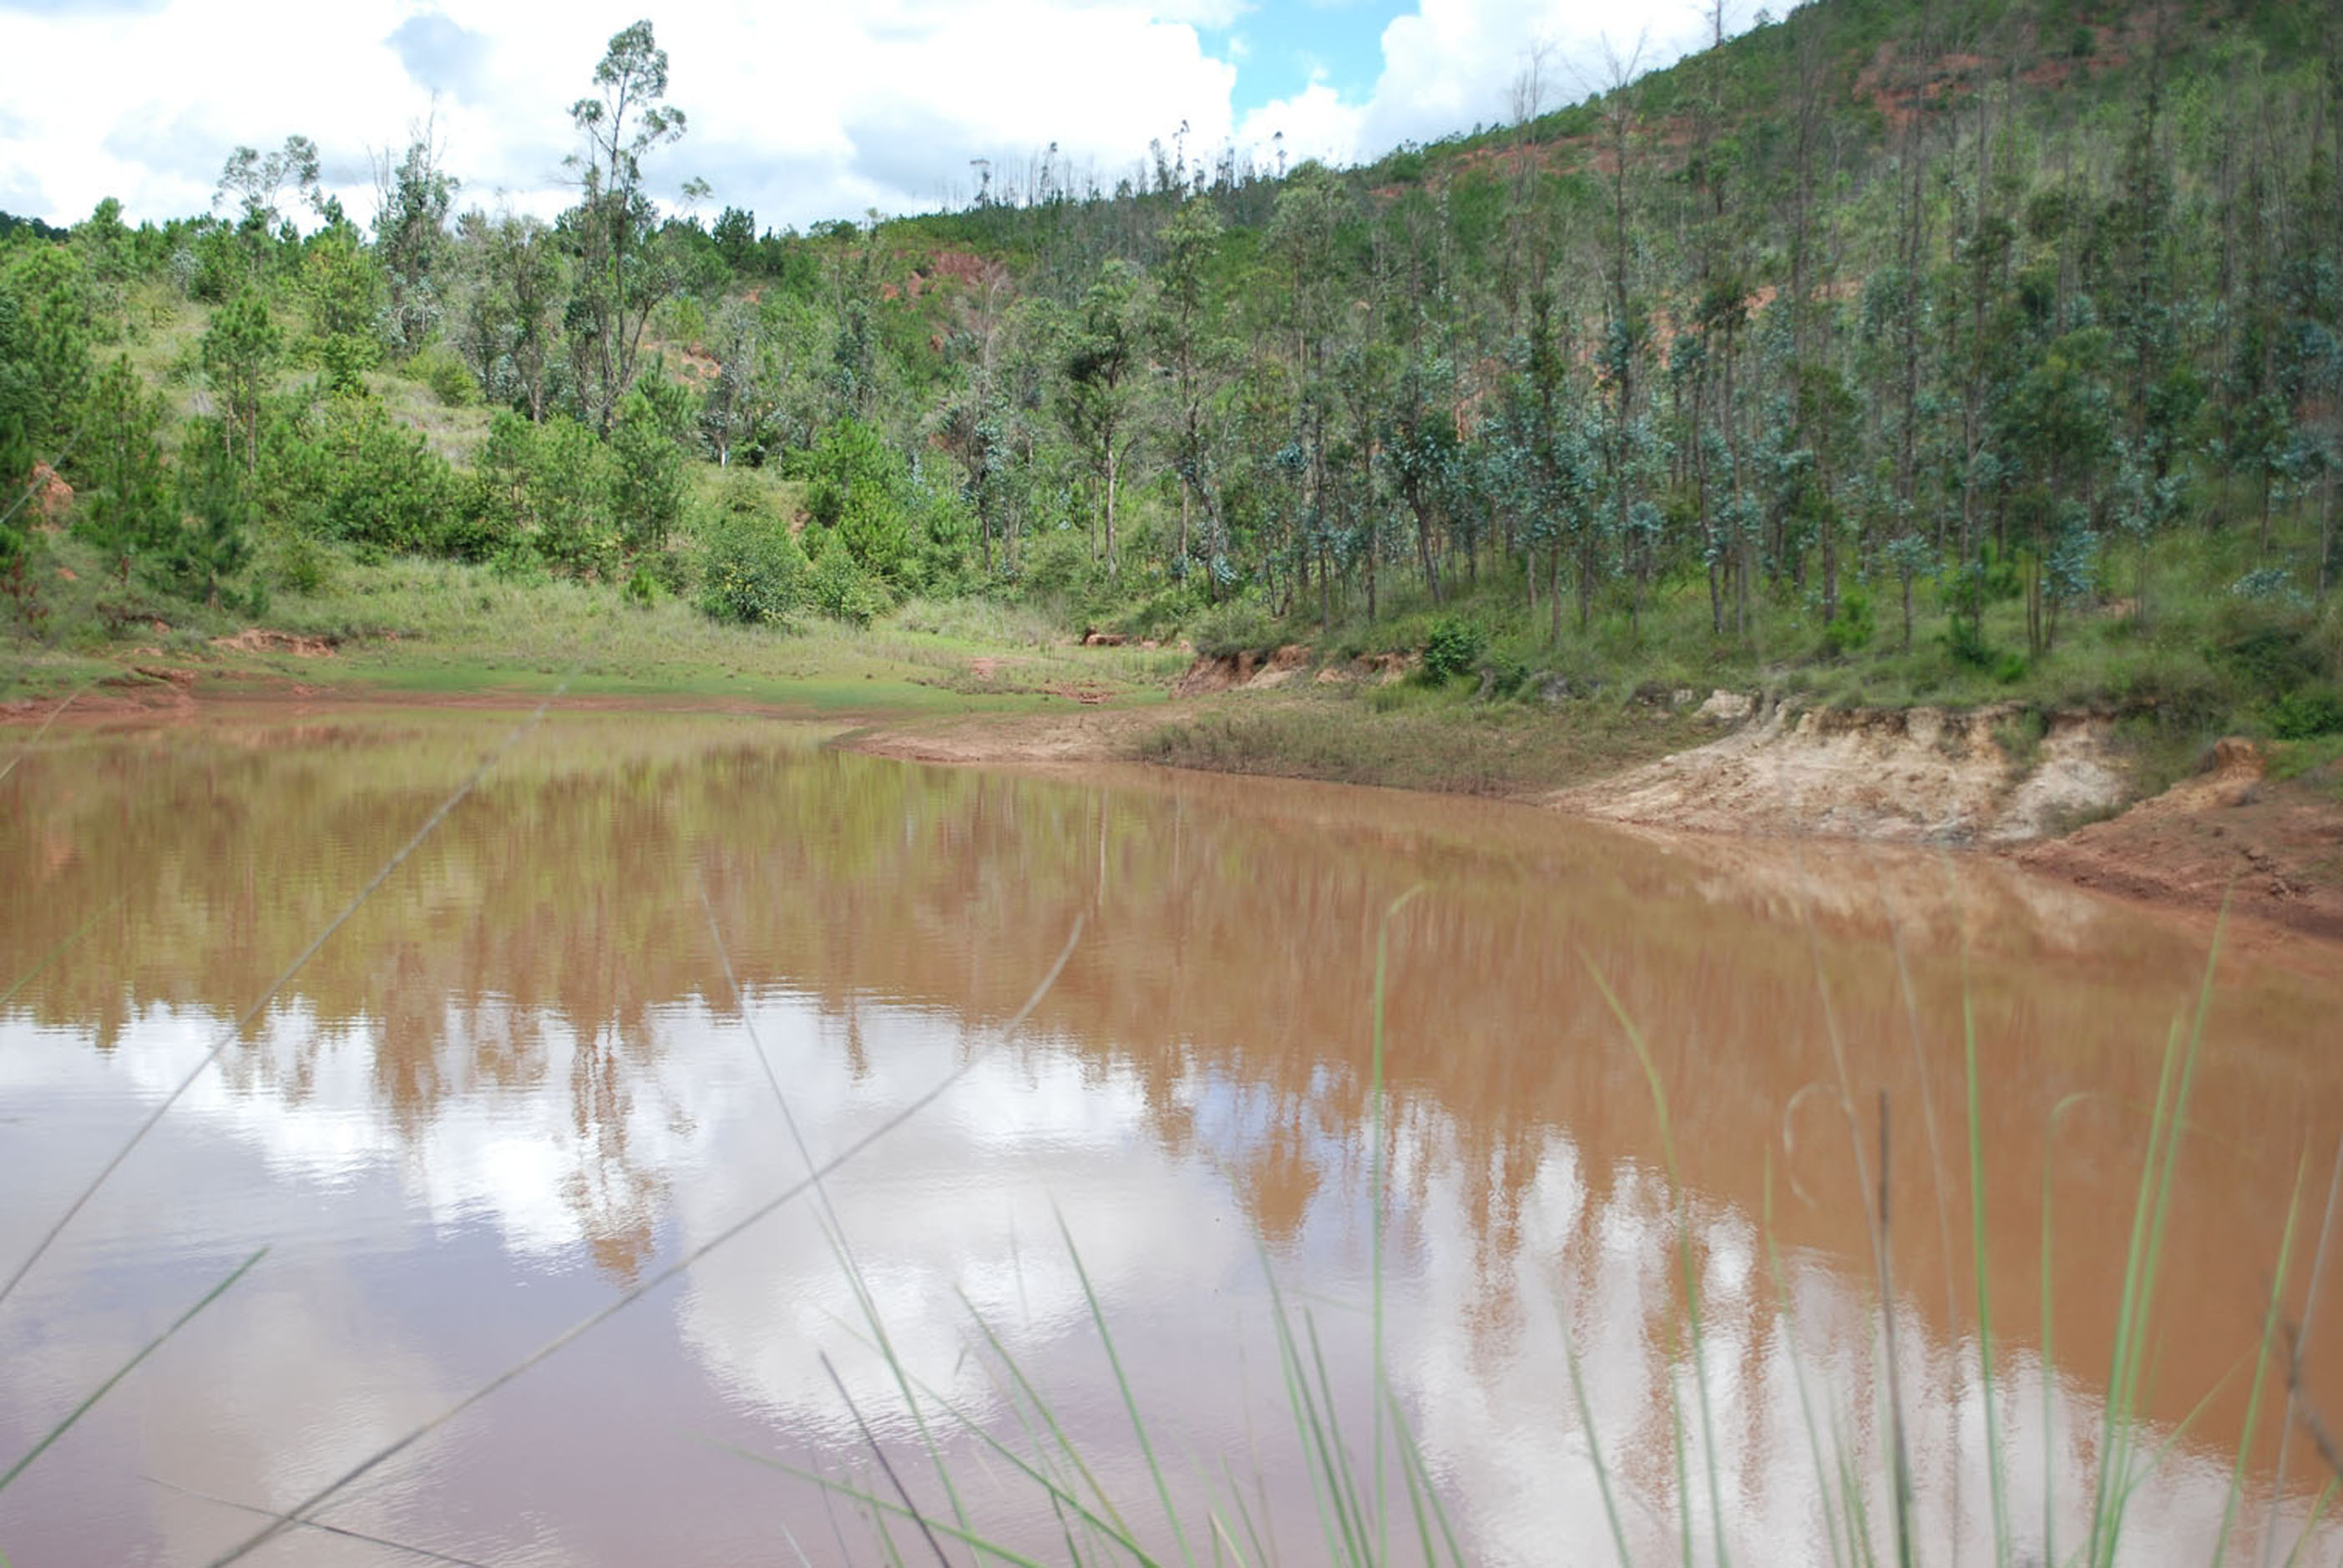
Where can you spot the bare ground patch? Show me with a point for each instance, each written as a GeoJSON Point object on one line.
{"type": "Point", "coordinates": [2269, 850]}
{"type": "Point", "coordinates": [1916, 775]}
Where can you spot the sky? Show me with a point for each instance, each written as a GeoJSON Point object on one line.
{"type": "Point", "coordinates": [797, 111]}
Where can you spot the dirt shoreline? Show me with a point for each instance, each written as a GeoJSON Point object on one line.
{"type": "Point", "coordinates": [2271, 851]}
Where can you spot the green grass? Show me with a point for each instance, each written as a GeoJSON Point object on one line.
{"type": "Point", "coordinates": [1409, 737]}
{"type": "Point", "coordinates": [446, 628]}
{"type": "Point", "coordinates": [2174, 654]}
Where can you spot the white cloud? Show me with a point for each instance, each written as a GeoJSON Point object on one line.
{"type": "Point", "coordinates": [799, 112]}
{"type": "Point", "coordinates": [1451, 65]}
{"type": "Point", "coordinates": [1316, 124]}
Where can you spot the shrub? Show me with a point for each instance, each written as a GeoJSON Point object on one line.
{"type": "Point", "coordinates": [294, 560]}
{"type": "Point", "coordinates": [841, 589]}
{"type": "Point", "coordinates": [1964, 641]}
{"type": "Point", "coordinates": [859, 493]}
{"type": "Point", "coordinates": [347, 470]}
{"type": "Point", "coordinates": [2273, 652]}
{"type": "Point", "coordinates": [568, 493]}
{"type": "Point", "coordinates": [1055, 563]}
{"type": "Point", "coordinates": [1453, 650]}
{"type": "Point", "coordinates": [2306, 715]}
{"type": "Point", "coordinates": [645, 464]}
{"type": "Point", "coordinates": [1852, 629]}
{"type": "Point", "coordinates": [1237, 627]}
{"type": "Point", "coordinates": [446, 373]}
{"type": "Point", "coordinates": [752, 571]}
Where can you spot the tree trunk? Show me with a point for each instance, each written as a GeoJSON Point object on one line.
{"type": "Point", "coordinates": [1114, 473]}
{"type": "Point", "coordinates": [1554, 596]}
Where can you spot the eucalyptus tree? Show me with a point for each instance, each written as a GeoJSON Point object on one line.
{"type": "Point", "coordinates": [510, 329]}
{"type": "Point", "coordinates": [1102, 365]}
{"type": "Point", "coordinates": [739, 397]}
{"type": "Point", "coordinates": [1419, 449]}
{"type": "Point", "coordinates": [613, 232]}
{"type": "Point", "coordinates": [413, 200]}
{"type": "Point", "coordinates": [975, 423]}
{"type": "Point", "coordinates": [1196, 359]}
{"type": "Point", "coordinates": [259, 181]}
{"type": "Point", "coordinates": [1304, 229]}
{"type": "Point", "coordinates": [2060, 424]}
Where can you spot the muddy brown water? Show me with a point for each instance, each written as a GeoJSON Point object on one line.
{"type": "Point", "coordinates": [516, 1085]}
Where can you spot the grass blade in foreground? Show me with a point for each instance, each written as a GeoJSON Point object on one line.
{"type": "Point", "coordinates": [2261, 1361]}
{"type": "Point", "coordinates": [593, 1320]}
{"type": "Point", "coordinates": [323, 1528]}
{"type": "Point", "coordinates": [1995, 1480]}
{"type": "Point", "coordinates": [1375, 1213]}
{"type": "Point", "coordinates": [2145, 1255]}
{"type": "Point", "coordinates": [1130, 1405]}
{"type": "Point", "coordinates": [1684, 1264]}
{"type": "Point", "coordinates": [400, 858]}
{"type": "Point", "coordinates": [99, 1392]}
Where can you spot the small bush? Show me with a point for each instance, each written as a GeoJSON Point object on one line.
{"type": "Point", "coordinates": [2306, 715]}
{"type": "Point", "coordinates": [295, 561]}
{"type": "Point", "coordinates": [751, 572]}
{"type": "Point", "coordinates": [1503, 676]}
{"type": "Point", "coordinates": [842, 590]}
{"type": "Point", "coordinates": [520, 566]}
{"type": "Point", "coordinates": [1237, 627]}
{"type": "Point", "coordinates": [346, 470]}
{"type": "Point", "coordinates": [1851, 631]}
{"type": "Point", "coordinates": [2272, 653]}
{"type": "Point", "coordinates": [1454, 646]}
{"type": "Point", "coordinates": [449, 378]}
{"type": "Point", "coordinates": [2021, 738]}
{"type": "Point", "coordinates": [1964, 639]}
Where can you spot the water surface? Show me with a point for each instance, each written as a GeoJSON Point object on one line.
{"type": "Point", "coordinates": [517, 1083]}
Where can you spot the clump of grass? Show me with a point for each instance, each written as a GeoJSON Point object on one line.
{"type": "Point", "coordinates": [1418, 740]}
{"type": "Point", "coordinates": [2020, 739]}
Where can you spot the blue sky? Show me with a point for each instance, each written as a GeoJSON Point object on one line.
{"type": "Point", "coordinates": [1283, 45]}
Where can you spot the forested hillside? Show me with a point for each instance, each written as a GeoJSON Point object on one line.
{"type": "Point", "coordinates": [1899, 348]}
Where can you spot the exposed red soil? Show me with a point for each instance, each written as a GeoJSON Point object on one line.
{"type": "Point", "coordinates": [260, 640]}
{"type": "Point", "coordinates": [149, 691]}
{"type": "Point", "coordinates": [1086, 739]}
{"type": "Point", "coordinates": [2272, 850]}
{"type": "Point", "coordinates": [56, 497]}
